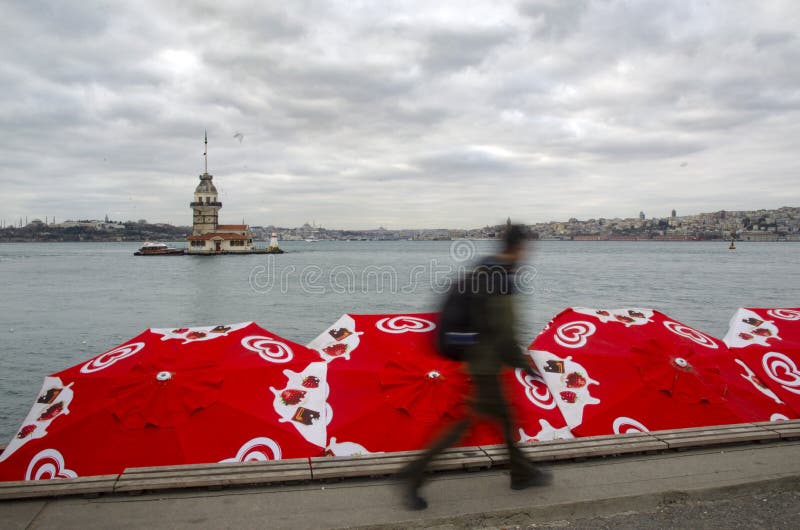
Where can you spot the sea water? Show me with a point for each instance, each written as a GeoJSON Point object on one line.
{"type": "Point", "coordinates": [66, 302]}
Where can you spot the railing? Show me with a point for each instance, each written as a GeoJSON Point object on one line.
{"type": "Point", "coordinates": [193, 204]}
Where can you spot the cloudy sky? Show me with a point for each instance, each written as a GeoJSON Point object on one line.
{"type": "Point", "coordinates": [404, 114]}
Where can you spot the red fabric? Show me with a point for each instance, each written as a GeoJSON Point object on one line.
{"type": "Point", "coordinates": [767, 341]}
{"type": "Point", "coordinates": [422, 387]}
{"type": "Point", "coordinates": [216, 400]}
{"type": "Point", "coordinates": [380, 396]}
{"type": "Point", "coordinates": [613, 371]}
{"type": "Point", "coordinates": [391, 391]}
{"type": "Point", "coordinates": [660, 366]}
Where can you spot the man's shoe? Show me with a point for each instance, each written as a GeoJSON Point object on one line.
{"type": "Point", "coordinates": [536, 478]}
{"type": "Point", "coordinates": [414, 501]}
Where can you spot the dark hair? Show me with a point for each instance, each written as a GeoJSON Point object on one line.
{"type": "Point", "coordinates": [514, 236]}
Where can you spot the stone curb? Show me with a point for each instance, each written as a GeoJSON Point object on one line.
{"type": "Point", "coordinates": [137, 480]}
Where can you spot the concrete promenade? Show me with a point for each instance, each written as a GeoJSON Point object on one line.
{"type": "Point", "coordinates": [580, 490]}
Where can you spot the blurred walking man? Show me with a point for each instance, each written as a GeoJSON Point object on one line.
{"type": "Point", "coordinates": [495, 345]}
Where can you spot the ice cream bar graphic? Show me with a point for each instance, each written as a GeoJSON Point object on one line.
{"type": "Point", "coordinates": [556, 367]}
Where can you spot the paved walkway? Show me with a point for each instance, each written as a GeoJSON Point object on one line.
{"type": "Point", "coordinates": [580, 490]}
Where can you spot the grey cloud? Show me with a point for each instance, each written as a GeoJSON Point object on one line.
{"type": "Point", "coordinates": [416, 114]}
{"type": "Point", "coordinates": [61, 19]}
{"type": "Point", "coordinates": [711, 119]}
{"type": "Point", "coordinates": [70, 43]}
{"type": "Point", "coordinates": [447, 50]}
{"type": "Point", "coordinates": [261, 22]}
{"type": "Point", "coordinates": [755, 95]}
{"type": "Point", "coordinates": [557, 19]}
{"type": "Point", "coordinates": [316, 83]}
{"type": "Point", "coordinates": [463, 161]}
{"type": "Point", "coordinates": [641, 148]}
{"type": "Point", "coordinates": [349, 83]}
{"type": "Point", "coordinates": [763, 41]}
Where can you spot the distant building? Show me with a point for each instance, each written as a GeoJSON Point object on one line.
{"type": "Point", "coordinates": [208, 236]}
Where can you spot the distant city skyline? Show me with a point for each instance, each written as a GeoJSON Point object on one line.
{"type": "Point", "coordinates": [411, 114]}
{"type": "Point", "coordinates": [791, 213]}
{"type": "Point", "coordinates": [750, 226]}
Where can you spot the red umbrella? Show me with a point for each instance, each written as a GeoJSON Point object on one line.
{"type": "Point", "coordinates": [174, 396]}
{"type": "Point", "coordinates": [391, 391]}
{"type": "Point", "coordinates": [615, 371]}
{"type": "Point", "coordinates": [766, 342]}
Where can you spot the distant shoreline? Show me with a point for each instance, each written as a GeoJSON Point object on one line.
{"type": "Point", "coordinates": [565, 240]}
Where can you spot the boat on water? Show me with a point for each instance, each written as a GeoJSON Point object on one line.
{"type": "Point", "coordinates": [158, 249]}
{"type": "Point", "coordinates": [732, 246]}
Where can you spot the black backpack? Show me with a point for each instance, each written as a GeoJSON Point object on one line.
{"type": "Point", "coordinates": [464, 299]}
{"type": "Point", "coordinates": [456, 331]}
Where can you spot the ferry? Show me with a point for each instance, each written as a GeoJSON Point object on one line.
{"type": "Point", "coordinates": [158, 249]}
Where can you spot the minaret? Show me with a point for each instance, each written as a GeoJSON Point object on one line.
{"type": "Point", "coordinates": [205, 206]}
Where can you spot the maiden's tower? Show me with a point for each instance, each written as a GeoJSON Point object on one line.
{"type": "Point", "coordinates": [208, 236]}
